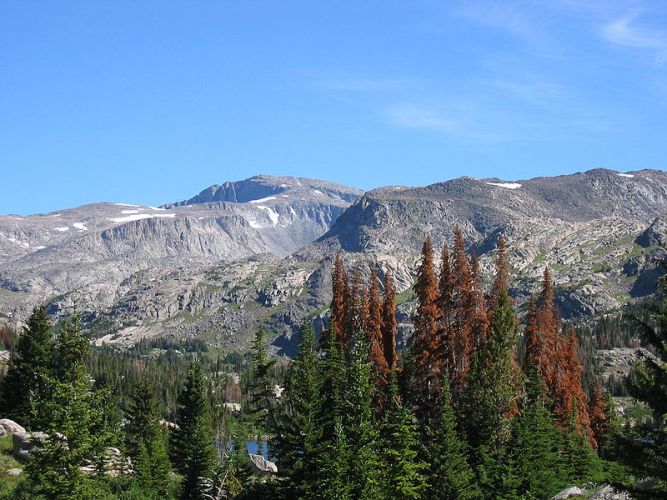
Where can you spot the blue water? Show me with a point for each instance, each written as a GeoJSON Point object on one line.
{"type": "Point", "coordinates": [253, 447]}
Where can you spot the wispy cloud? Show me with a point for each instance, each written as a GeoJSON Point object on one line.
{"type": "Point", "coordinates": [628, 31]}
{"type": "Point", "coordinates": [445, 122]}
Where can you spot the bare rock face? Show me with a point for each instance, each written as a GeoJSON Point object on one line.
{"type": "Point", "coordinates": [92, 254]}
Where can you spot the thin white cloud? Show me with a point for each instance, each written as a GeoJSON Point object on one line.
{"type": "Point", "coordinates": [628, 31]}
{"type": "Point", "coordinates": [448, 123]}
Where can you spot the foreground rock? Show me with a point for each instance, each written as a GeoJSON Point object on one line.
{"type": "Point", "coordinates": [8, 426]}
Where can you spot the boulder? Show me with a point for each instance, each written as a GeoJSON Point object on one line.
{"type": "Point", "coordinates": [262, 466]}
{"type": "Point", "coordinates": [25, 443]}
{"type": "Point", "coordinates": [568, 493]}
{"type": "Point", "coordinates": [11, 427]}
{"type": "Point", "coordinates": [14, 472]}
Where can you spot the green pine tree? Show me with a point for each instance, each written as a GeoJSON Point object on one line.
{"type": "Point", "coordinates": [76, 420]}
{"type": "Point", "coordinates": [579, 461]}
{"type": "Point", "coordinates": [332, 451]}
{"type": "Point", "coordinates": [365, 466]}
{"type": "Point", "coordinates": [30, 363]}
{"type": "Point", "coordinates": [491, 395]}
{"type": "Point", "coordinates": [450, 473]}
{"type": "Point", "coordinates": [297, 433]}
{"type": "Point", "coordinates": [535, 466]}
{"type": "Point", "coordinates": [404, 475]}
{"type": "Point", "coordinates": [193, 451]}
{"type": "Point", "coordinates": [146, 441]}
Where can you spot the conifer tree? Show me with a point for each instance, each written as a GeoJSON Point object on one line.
{"type": "Point", "coordinates": [374, 335]}
{"type": "Point", "coordinates": [460, 344]}
{"type": "Point", "coordinates": [77, 421]}
{"type": "Point", "coordinates": [338, 304]}
{"type": "Point", "coordinates": [445, 306]}
{"type": "Point", "coordinates": [451, 475]}
{"type": "Point", "coordinates": [535, 465]}
{"type": "Point", "coordinates": [297, 432]}
{"type": "Point", "coordinates": [259, 391]}
{"type": "Point", "coordinates": [353, 309]}
{"type": "Point", "coordinates": [193, 452]}
{"type": "Point", "coordinates": [423, 340]}
{"type": "Point", "coordinates": [389, 323]}
{"type": "Point", "coordinates": [479, 317]}
{"type": "Point", "coordinates": [570, 396]}
{"type": "Point", "coordinates": [362, 437]}
{"type": "Point", "coordinates": [598, 410]}
{"type": "Point", "coordinates": [492, 392]}
{"type": "Point", "coordinates": [579, 462]}
{"type": "Point", "coordinates": [490, 399]}
{"type": "Point", "coordinates": [405, 473]}
{"type": "Point", "coordinates": [146, 441]}
{"type": "Point", "coordinates": [332, 451]}
{"type": "Point", "coordinates": [29, 365]}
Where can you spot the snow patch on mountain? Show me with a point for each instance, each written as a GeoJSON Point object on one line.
{"type": "Point", "coordinates": [262, 200]}
{"type": "Point", "coordinates": [134, 217]}
{"type": "Point", "coordinates": [271, 213]}
{"type": "Point", "coordinates": [506, 185]}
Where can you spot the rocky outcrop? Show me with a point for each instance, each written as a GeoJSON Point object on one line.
{"type": "Point", "coordinates": [261, 466]}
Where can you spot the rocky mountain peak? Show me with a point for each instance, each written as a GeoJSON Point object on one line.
{"type": "Point", "coordinates": [262, 187]}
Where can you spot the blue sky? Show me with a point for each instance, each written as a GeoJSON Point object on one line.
{"type": "Point", "coordinates": [150, 102]}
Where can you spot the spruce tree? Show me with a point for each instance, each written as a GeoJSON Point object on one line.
{"type": "Point", "coordinates": [29, 365]}
{"type": "Point", "coordinates": [332, 451]}
{"type": "Point", "coordinates": [77, 422]}
{"type": "Point", "coordinates": [339, 287]}
{"type": "Point", "coordinates": [297, 432]}
{"type": "Point", "coordinates": [423, 342]}
{"type": "Point", "coordinates": [389, 322]}
{"type": "Point", "coordinates": [535, 465]}
{"type": "Point", "coordinates": [146, 441]}
{"type": "Point", "coordinates": [193, 452]}
{"type": "Point", "coordinates": [365, 466]}
{"type": "Point", "coordinates": [450, 473]}
{"type": "Point", "coordinates": [375, 337]}
{"type": "Point", "coordinates": [405, 473]}
{"type": "Point", "coordinates": [260, 394]}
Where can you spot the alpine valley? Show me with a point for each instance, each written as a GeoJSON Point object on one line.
{"type": "Point", "coordinates": [259, 251]}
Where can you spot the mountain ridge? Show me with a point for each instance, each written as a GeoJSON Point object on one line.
{"type": "Point", "coordinates": [216, 268]}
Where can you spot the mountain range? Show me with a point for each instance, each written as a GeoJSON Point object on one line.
{"type": "Point", "coordinates": [239, 254]}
